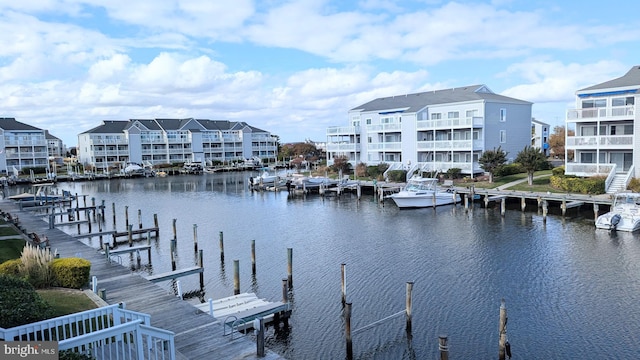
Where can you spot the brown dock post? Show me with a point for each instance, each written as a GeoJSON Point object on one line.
{"type": "Point", "coordinates": [84, 200]}
{"type": "Point", "coordinates": [195, 238]}
{"type": "Point", "coordinates": [100, 230]}
{"type": "Point", "coordinates": [102, 209]}
{"type": "Point", "coordinates": [347, 330]}
{"type": "Point", "coordinates": [486, 200]}
{"type": "Point", "coordinates": [563, 206]}
{"type": "Point", "coordinates": [126, 216]}
{"type": "Point", "coordinates": [290, 266]}
{"type": "Point", "coordinates": [502, 342]}
{"type": "Point", "coordinates": [545, 208]}
{"type": "Point", "coordinates": [155, 223]}
{"type": "Point", "coordinates": [443, 347]}
{"type": "Point", "coordinates": [103, 294]}
{"type": "Point", "coordinates": [259, 336]}
{"type": "Point", "coordinates": [88, 220]}
{"type": "Point", "coordinates": [201, 265]}
{"type": "Point", "coordinates": [236, 277]}
{"type": "Point", "coordinates": [253, 257]}
{"type": "Point", "coordinates": [539, 201]}
{"type": "Point", "coordinates": [523, 203]}
{"type": "Point", "coordinates": [173, 254]}
{"type": "Point", "coordinates": [221, 246]}
{"type": "Point", "coordinates": [409, 305]}
{"type": "Point", "coordinates": [343, 270]}
{"type": "Point", "coordinates": [285, 293]}
{"type": "Point", "coordinates": [93, 205]}
{"type": "Point", "coordinates": [130, 235]}
{"type": "Point", "coordinates": [596, 209]}
{"type": "Point", "coordinates": [358, 191]}
{"type": "Point", "coordinates": [175, 233]}
{"type": "Point", "coordinates": [503, 206]}
{"type": "Point", "coordinates": [140, 220]}
{"type": "Point", "coordinates": [466, 202]}
{"type": "Point", "coordinates": [113, 211]}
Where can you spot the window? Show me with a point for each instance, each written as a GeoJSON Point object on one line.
{"type": "Point", "coordinates": [356, 123]}
{"type": "Point", "coordinates": [594, 103]}
{"type": "Point", "coordinates": [368, 121]}
{"type": "Point", "coordinates": [622, 101]}
{"type": "Point", "coordinates": [453, 115]}
{"type": "Point", "coordinates": [503, 136]}
{"type": "Point", "coordinates": [436, 116]}
{"type": "Point", "coordinates": [503, 115]}
{"type": "Point", "coordinates": [386, 120]}
{"type": "Point", "coordinates": [472, 113]}
{"type": "Point", "coordinates": [587, 158]}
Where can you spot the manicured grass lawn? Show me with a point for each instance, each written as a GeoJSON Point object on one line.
{"type": "Point", "coordinates": [11, 249]}
{"type": "Point", "coordinates": [66, 301]}
{"type": "Point", "coordinates": [8, 231]}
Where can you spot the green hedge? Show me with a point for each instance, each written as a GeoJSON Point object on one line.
{"type": "Point", "coordinates": [397, 175]}
{"type": "Point", "coordinates": [592, 185]}
{"type": "Point", "coordinates": [20, 303]}
{"type": "Point", "coordinates": [71, 273]}
{"type": "Point", "coordinates": [11, 267]}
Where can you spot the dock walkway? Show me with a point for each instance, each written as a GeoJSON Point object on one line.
{"type": "Point", "coordinates": [197, 334]}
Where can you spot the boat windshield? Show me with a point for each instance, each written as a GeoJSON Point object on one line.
{"type": "Point", "coordinates": [420, 185]}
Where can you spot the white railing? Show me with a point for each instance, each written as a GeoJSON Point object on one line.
{"type": "Point", "coordinates": [600, 113]}
{"type": "Point", "coordinates": [585, 170]}
{"type": "Point", "coordinates": [388, 146]}
{"type": "Point", "coordinates": [384, 128]}
{"type": "Point", "coordinates": [105, 333]}
{"type": "Point", "coordinates": [346, 130]}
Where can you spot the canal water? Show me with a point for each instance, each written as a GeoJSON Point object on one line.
{"type": "Point", "coordinates": [571, 292]}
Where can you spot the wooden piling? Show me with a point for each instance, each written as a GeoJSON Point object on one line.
{"type": "Point", "coordinates": [409, 305]}
{"type": "Point", "coordinates": [236, 277]}
{"type": "Point", "coordinates": [126, 216]}
{"type": "Point", "coordinates": [195, 238]}
{"type": "Point", "coordinates": [285, 292]}
{"type": "Point", "coordinates": [130, 235]}
{"type": "Point", "coordinates": [358, 191]}
{"type": "Point", "coordinates": [545, 208]}
{"type": "Point", "coordinates": [113, 211]}
{"type": "Point", "coordinates": [486, 200]}
{"type": "Point", "coordinates": [563, 206]}
{"type": "Point", "coordinates": [221, 246]}
{"type": "Point", "coordinates": [503, 206]}
{"type": "Point", "coordinates": [502, 331]}
{"type": "Point", "coordinates": [88, 220]}
{"type": "Point", "coordinates": [253, 257]}
{"type": "Point", "coordinates": [343, 270]}
{"type": "Point", "coordinates": [596, 209]}
{"type": "Point", "coordinates": [102, 209]}
{"type": "Point", "coordinates": [259, 323]}
{"type": "Point", "coordinates": [347, 330]}
{"type": "Point", "coordinates": [466, 202]}
{"type": "Point", "coordinates": [443, 347]}
{"type": "Point", "coordinates": [290, 266]}
{"type": "Point", "coordinates": [201, 265]}
{"type": "Point", "coordinates": [139, 219]}
{"type": "Point", "coordinates": [173, 254]}
{"type": "Point", "coordinates": [523, 203]}
{"type": "Point", "coordinates": [93, 204]}
{"type": "Point", "coordinates": [175, 232]}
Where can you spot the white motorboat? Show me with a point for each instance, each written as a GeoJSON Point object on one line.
{"type": "Point", "coordinates": [624, 214]}
{"type": "Point", "coordinates": [423, 192]}
{"type": "Point", "coordinates": [264, 179]}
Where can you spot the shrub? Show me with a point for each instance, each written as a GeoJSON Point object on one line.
{"type": "Point", "coordinates": [71, 272]}
{"type": "Point", "coordinates": [634, 185]}
{"type": "Point", "coordinates": [397, 175]}
{"type": "Point", "coordinates": [71, 355]}
{"type": "Point", "coordinates": [454, 173]}
{"type": "Point", "coordinates": [11, 267]}
{"type": "Point", "coordinates": [558, 171]}
{"type": "Point", "coordinates": [593, 185]}
{"type": "Point", "coordinates": [19, 303]}
{"type": "Point", "coordinates": [509, 169]}
{"type": "Point", "coordinates": [35, 266]}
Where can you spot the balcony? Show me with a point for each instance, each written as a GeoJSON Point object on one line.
{"type": "Point", "coordinates": [468, 122]}
{"type": "Point", "coordinates": [602, 113]}
{"type": "Point", "coordinates": [601, 142]}
{"type": "Point", "coordinates": [390, 146]}
{"type": "Point", "coordinates": [343, 147]}
{"type": "Point", "coordinates": [343, 130]}
{"type": "Point", "coordinates": [385, 128]}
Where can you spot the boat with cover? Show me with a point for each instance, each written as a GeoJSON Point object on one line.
{"type": "Point", "coordinates": [423, 192]}
{"type": "Point", "coordinates": [624, 214]}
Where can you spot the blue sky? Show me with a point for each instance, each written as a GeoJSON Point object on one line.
{"type": "Point", "coordinates": [295, 68]}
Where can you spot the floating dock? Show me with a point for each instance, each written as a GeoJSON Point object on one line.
{"type": "Point", "coordinates": [240, 310]}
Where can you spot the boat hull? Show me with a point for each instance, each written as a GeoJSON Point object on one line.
{"type": "Point", "coordinates": [411, 200]}
{"type": "Point", "coordinates": [609, 221]}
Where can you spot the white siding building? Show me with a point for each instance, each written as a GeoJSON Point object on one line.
{"type": "Point", "coordinates": [540, 136]}
{"type": "Point", "coordinates": [606, 130]}
{"type": "Point", "coordinates": [433, 131]}
{"type": "Point", "coordinates": [166, 141]}
{"type": "Point", "coordinates": [23, 146]}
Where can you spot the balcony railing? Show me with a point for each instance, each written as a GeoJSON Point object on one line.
{"type": "Point", "coordinates": [602, 113]}
{"type": "Point", "coordinates": [449, 123]}
{"type": "Point", "coordinates": [390, 146]}
{"type": "Point", "coordinates": [582, 169]}
{"type": "Point", "coordinates": [384, 128]}
{"type": "Point", "coordinates": [343, 130]}
{"type": "Point", "coordinates": [600, 141]}
{"type": "Point", "coordinates": [335, 147]}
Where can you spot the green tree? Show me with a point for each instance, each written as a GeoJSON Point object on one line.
{"type": "Point", "coordinates": [491, 160]}
{"type": "Point", "coordinates": [532, 159]}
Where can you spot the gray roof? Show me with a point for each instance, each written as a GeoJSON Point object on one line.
{"type": "Point", "coordinates": [631, 78]}
{"type": "Point", "coordinates": [418, 101]}
{"type": "Point", "coordinates": [10, 124]}
{"type": "Point", "coordinates": [193, 125]}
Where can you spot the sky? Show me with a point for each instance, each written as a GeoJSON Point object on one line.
{"type": "Point", "coordinates": [295, 68]}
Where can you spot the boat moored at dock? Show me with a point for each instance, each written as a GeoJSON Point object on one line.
{"type": "Point", "coordinates": [423, 192]}
{"type": "Point", "coordinates": [624, 214]}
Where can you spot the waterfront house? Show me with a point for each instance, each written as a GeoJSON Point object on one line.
{"type": "Point", "coordinates": [606, 129]}
{"type": "Point", "coordinates": [164, 141]}
{"type": "Point", "coordinates": [434, 130]}
{"type": "Point", "coordinates": [22, 145]}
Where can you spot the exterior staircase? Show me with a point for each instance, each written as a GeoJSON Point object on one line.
{"type": "Point", "coordinates": [619, 183]}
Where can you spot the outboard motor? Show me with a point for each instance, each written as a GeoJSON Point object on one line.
{"type": "Point", "coordinates": [615, 220]}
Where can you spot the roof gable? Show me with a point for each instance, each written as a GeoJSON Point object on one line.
{"type": "Point", "coordinates": [628, 80]}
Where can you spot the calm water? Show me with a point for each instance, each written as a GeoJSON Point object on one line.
{"type": "Point", "coordinates": [571, 292]}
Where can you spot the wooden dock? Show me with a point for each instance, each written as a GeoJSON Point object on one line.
{"type": "Point", "coordinates": [197, 334]}
{"type": "Point", "coordinates": [240, 310]}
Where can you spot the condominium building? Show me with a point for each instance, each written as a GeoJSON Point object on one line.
{"type": "Point", "coordinates": [21, 146]}
{"type": "Point", "coordinates": [603, 131]}
{"type": "Point", "coordinates": [166, 141]}
{"type": "Point", "coordinates": [433, 131]}
{"type": "Point", "coordinates": [540, 136]}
